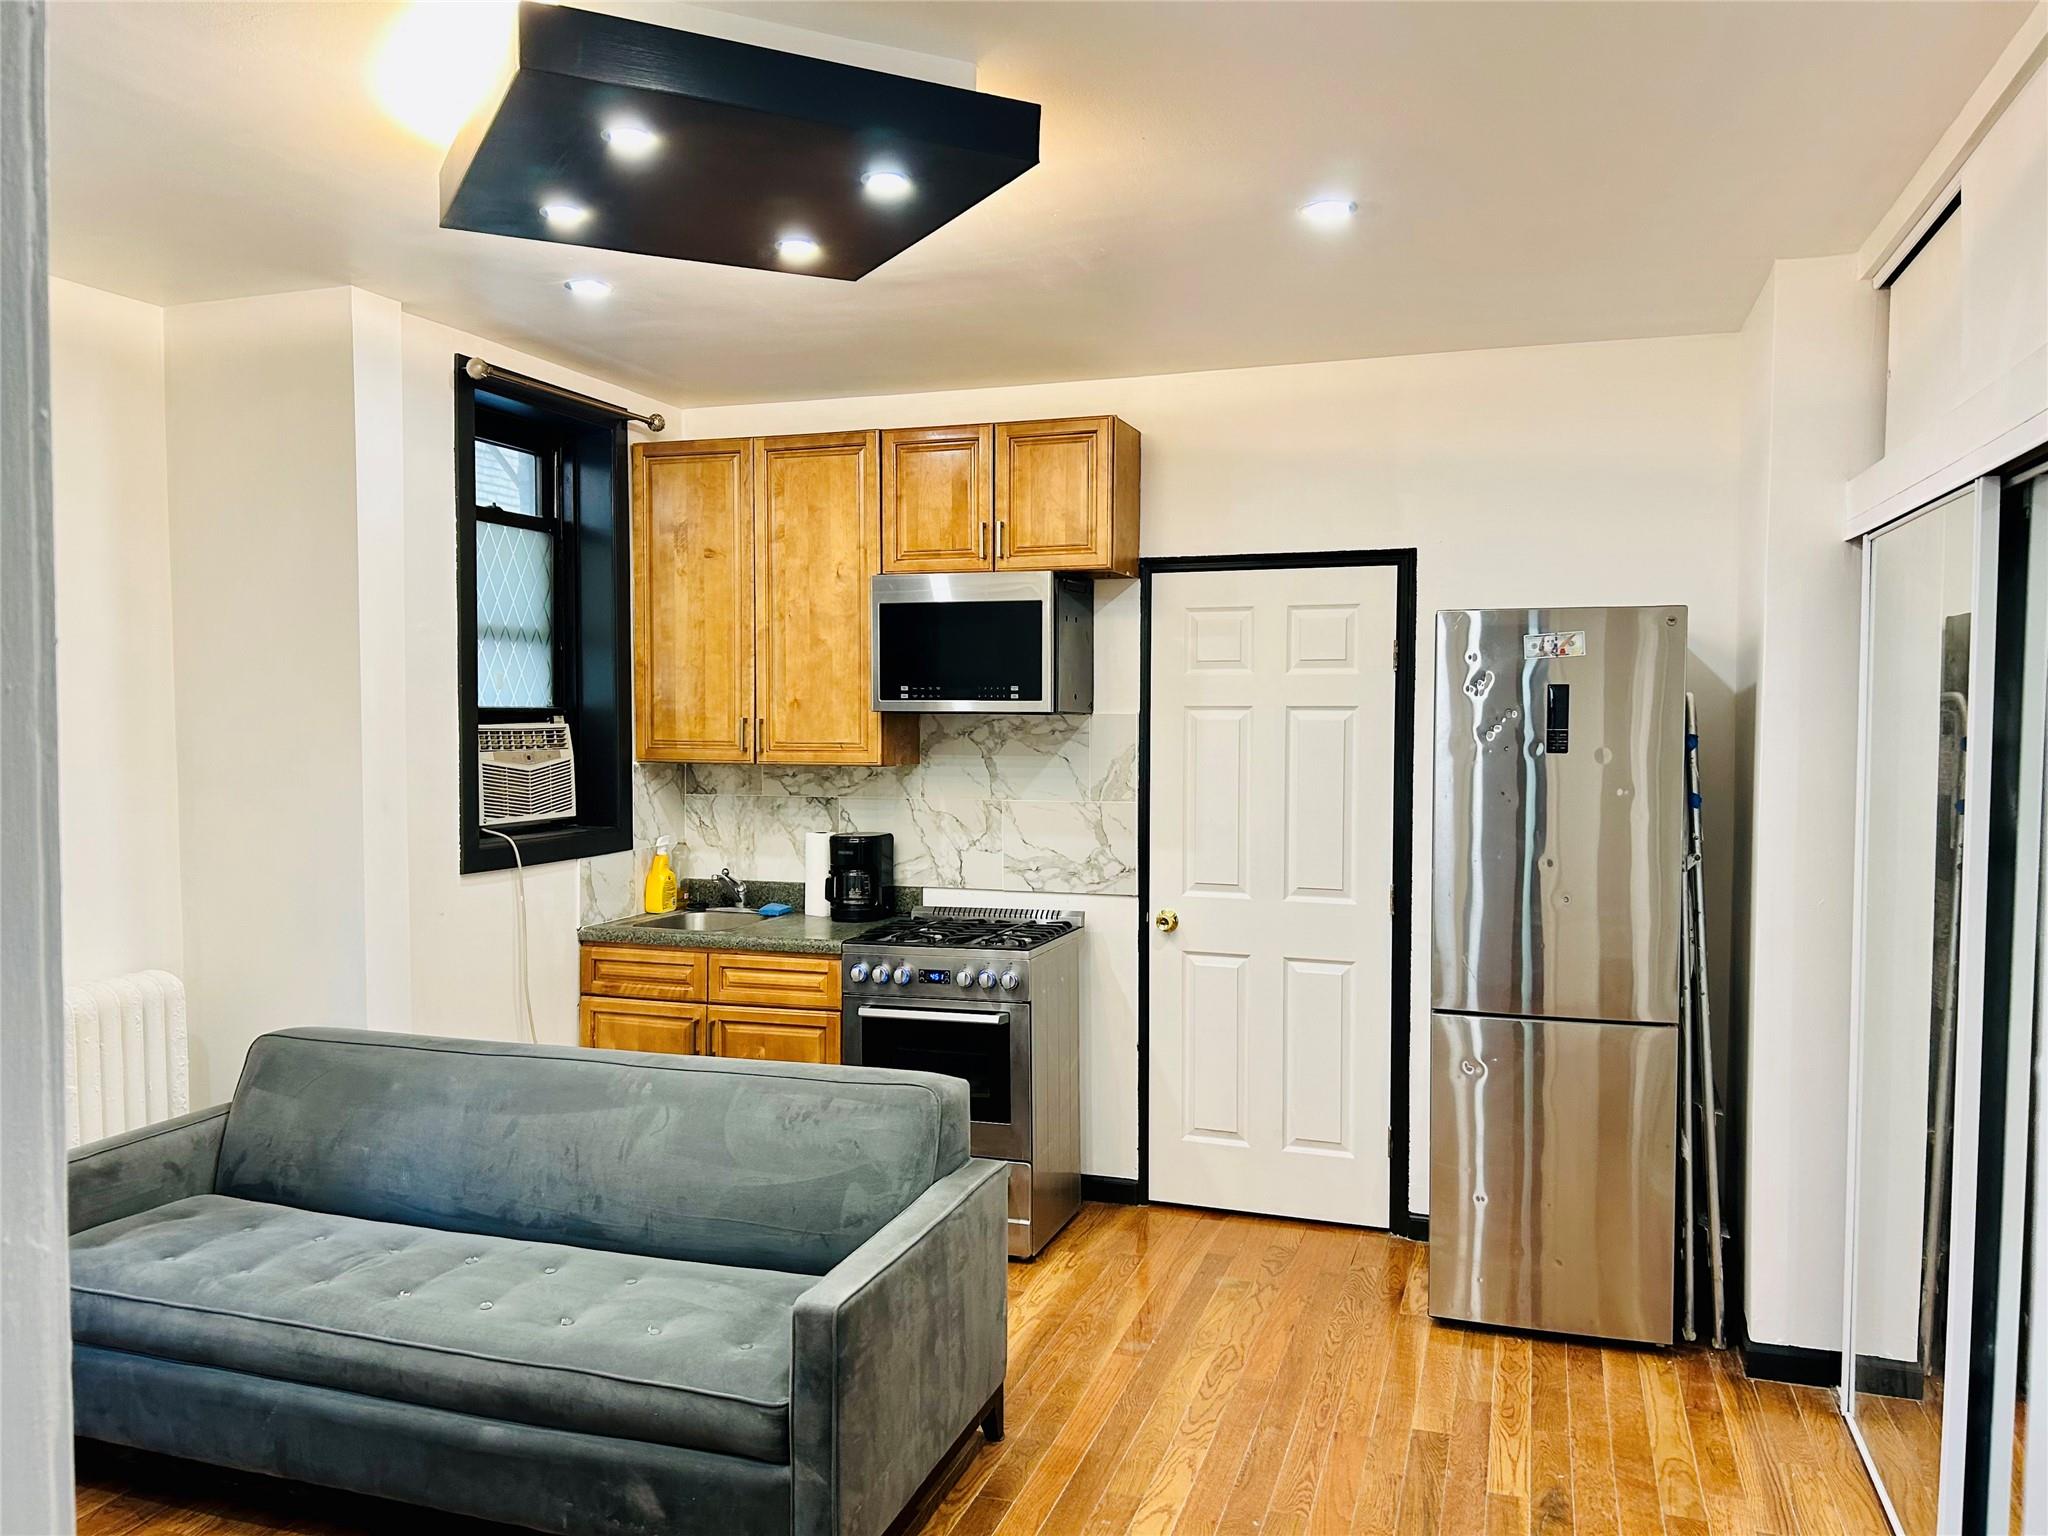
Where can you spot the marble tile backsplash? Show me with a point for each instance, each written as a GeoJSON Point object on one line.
{"type": "Point", "coordinates": [1043, 803]}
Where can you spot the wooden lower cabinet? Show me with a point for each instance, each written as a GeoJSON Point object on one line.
{"type": "Point", "coordinates": [774, 1034]}
{"type": "Point", "coordinates": [641, 1024]}
{"type": "Point", "coordinates": [764, 980]}
{"type": "Point", "coordinates": [762, 1006]}
{"type": "Point", "coordinates": [645, 971]}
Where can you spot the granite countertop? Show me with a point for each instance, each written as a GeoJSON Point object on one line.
{"type": "Point", "coordinates": [799, 933]}
{"type": "Point", "coordinates": [796, 934]}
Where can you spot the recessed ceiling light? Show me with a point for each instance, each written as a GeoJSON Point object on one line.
{"type": "Point", "coordinates": [631, 141]}
{"type": "Point", "coordinates": [564, 215]}
{"type": "Point", "coordinates": [1329, 211]}
{"type": "Point", "coordinates": [798, 248]}
{"type": "Point", "coordinates": [888, 186]}
{"type": "Point", "coordinates": [588, 287]}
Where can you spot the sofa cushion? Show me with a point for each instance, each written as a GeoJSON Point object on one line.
{"type": "Point", "coordinates": [662, 1350]}
{"type": "Point", "coordinates": [763, 1164]}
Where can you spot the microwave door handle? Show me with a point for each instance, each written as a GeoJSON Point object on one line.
{"type": "Point", "coordinates": [934, 1015]}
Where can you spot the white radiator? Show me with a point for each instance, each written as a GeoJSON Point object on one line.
{"type": "Point", "coordinates": [125, 1061]}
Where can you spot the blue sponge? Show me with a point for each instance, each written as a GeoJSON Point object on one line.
{"type": "Point", "coordinates": [776, 909]}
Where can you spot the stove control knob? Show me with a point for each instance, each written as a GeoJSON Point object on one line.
{"type": "Point", "coordinates": [880, 973]}
{"type": "Point", "coordinates": [1009, 981]}
{"type": "Point", "coordinates": [965, 976]}
{"type": "Point", "coordinates": [902, 975]}
{"type": "Point", "coordinates": [859, 971]}
{"type": "Point", "coordinates": [987, 979]}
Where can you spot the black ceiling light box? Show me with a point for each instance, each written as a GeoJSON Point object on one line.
{"type": "Point", "coordinates": [750, 147]}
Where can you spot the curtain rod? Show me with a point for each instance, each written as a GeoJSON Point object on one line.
{"type": "Point", "coordinates": [480, 370]}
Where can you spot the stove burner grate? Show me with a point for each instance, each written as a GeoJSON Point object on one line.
{"type": "Point", "coordinates": [967, 933]}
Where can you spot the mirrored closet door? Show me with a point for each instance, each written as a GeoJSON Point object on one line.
{"type": "Point", "coordinates": [1943, 1059]}
{"type": "Point", "coordinates": [1920, 580]}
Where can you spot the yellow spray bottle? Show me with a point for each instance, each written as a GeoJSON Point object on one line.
{"type": "Point", "coordinates": [661, 878]}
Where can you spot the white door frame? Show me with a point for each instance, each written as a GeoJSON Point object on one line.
{"type": "Point", "coordinates": [1403, 1221]}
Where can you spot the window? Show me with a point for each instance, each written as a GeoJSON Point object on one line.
{"type": "Point", "coordinates": [518, 552]}
{"type": "Point", "coordinates": [541, 520]}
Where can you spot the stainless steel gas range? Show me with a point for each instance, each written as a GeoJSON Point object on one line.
{"type": "Point", "coordinates": [991, 995]}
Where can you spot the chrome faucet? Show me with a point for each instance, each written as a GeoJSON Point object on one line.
{"type": "Point", "coordinates": [731, 892]}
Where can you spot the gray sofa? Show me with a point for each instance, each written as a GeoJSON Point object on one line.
{"type": "Point", "coordinates": [567, 1289]}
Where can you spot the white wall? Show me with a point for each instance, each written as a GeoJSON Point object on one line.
{"type": "Point", "coordinates": [1814, 402]}
{"type": "Point", "coordinates": [257, 601]}
{"type": "Point", "coordinates": [1604, 473]}
{"type": "Point", "coordinates": [259, 415]}
{"type": "Point", "coordinates": [1924, 365]}
{"type": "Point", "coordinates": [117, 725]}
{"type": "Point", "coordinates": [461, 927]}
{"type": "Point", "coordinates": [375, 334]}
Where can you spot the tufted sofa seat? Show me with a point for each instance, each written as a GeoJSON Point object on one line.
{"type": "Point", "coordinates": [487, 1325]}
{"type": "Point", "coordinates": [576, 1290]}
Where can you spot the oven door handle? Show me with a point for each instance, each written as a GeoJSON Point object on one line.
{"type": "Point", "coordinates": [934, 1015]}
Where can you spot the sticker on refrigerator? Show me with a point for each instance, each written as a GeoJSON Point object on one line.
{"type": "Point", "coordinates": [1560, 642]}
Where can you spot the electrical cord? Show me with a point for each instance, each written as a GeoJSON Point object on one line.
{"type": "Point", "coordinates": [522, 995]}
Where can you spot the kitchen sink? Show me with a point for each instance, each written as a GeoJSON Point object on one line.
{"type": "Point", "coordinates": [715, 920]}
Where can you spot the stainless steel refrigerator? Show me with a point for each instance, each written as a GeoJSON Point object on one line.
{"type": "Point", "coordinates": [1555, 943]}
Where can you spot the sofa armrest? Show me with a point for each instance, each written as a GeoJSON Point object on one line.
{"type": "Point", "coordinates": [896, 1350]}
{"type": "Point", "coordinates": [142, 1169]}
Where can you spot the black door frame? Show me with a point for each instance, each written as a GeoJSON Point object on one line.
{"type": "Point", "coordinates": [1402, 1221]}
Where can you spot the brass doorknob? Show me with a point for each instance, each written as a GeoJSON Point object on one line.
{"type": "Point", "coordinates": [1167, 920]}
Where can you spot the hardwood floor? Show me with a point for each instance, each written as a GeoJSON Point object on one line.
{"type": "Point", "coordinates": [1176, 1371]}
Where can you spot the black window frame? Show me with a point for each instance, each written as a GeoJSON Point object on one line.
{"type": "Point", "coordinates": [585, 493]}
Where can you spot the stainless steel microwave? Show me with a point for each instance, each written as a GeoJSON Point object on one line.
{"type": "Point", "coordinates": [984, 642]}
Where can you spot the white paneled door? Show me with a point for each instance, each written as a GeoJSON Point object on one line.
{"type": "Point", "coordinates": [1272, 758]}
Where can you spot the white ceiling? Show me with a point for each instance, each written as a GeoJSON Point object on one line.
{"type": "Point", "coordinates": [1526, 173]}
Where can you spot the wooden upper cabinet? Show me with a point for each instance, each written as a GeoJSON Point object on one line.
{"type": "Point", "coordinates": [937, 490]}
{"type": "Point", "coordinates": [1066, 496]}
{"type": "Point", "coordinates": [693, 601]}
{"type": "Point", "coordinates": [817, 538]}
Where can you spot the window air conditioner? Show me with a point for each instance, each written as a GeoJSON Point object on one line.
{"type": "Point", "coordinates": [526, 772]}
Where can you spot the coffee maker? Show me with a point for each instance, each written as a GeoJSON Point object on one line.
{"type": "Point", "coordinates": [862, 869]}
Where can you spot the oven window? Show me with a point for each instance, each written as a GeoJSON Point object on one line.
{"type": "Point", "coordinates": [980, 1053]}
{"type": "Point", "coordinates": [989, 651]}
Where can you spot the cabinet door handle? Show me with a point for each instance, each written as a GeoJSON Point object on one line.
{"type": "Point", "coordinates": [1002, 532]}
{"type": "Point", "coordinates": [745, 722]}
{"type": "Point", "coordinates": [760, 733]}
{"type": "Point", "coordinates": [981, 541]}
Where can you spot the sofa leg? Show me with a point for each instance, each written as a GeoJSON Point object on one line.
{"type": "Point", "coordinates": [992, 1421]}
